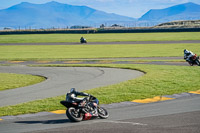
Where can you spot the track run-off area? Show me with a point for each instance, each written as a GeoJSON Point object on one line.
{"type": "Point", "coordinates": [180, 114]}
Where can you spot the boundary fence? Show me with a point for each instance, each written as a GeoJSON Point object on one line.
{"type": "Point", "coordinates": [100, 30]}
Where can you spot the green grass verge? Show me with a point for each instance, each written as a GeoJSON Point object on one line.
{"type": "Point", "coordinates": [158, 80]}
{"type": "Point", "coordinates": [56, 52]}
{"type": "Point", "coordinates": [112, 37]}
{"type": "Point", "coordinates": [11, 81]}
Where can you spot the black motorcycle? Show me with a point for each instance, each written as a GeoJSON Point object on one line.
{"type": "Point", "coordinates": [194, 60]}
{"type": "Point", "coordinates": [83, 40]}
{"type": "Point", "coordinates": [89, 110]}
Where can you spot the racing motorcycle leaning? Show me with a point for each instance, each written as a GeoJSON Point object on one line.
{"type": "Point", "coordinates": [89, 109]}
{"type": "Point", "coordinates": [83, 40]}
{"type": "Point", "coordinates": [194, 60]}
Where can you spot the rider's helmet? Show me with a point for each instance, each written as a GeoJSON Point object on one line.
{"type": "Point", "coordinates": [186, 51]}
{"type": "Point", "coordinates": [72, 90]}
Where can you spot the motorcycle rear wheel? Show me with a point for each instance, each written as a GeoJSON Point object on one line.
{"type": "Point", "coordinates": [103, 113]}
{"type": "Point", "coordinates": [73, 115]}
{"type": "Point", "coordinates": [191, 64]}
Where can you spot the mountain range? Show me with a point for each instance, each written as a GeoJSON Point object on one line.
{"type": "Point", "coordinates": [187, 11]}
{"type": "Point", "coordinates": [54, 14]}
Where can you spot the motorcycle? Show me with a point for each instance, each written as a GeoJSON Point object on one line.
{"type": "Point", "coordinates": [76, 113]}
{"type": "Point", "coordinates": [194, 60]}
{"type": "Point", "coordinates": [83, 41]}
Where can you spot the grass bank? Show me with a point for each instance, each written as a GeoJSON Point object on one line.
{"type": "Point", "coordinates": [158, 80]}
{"type": "Point", "coordinates": [111, 37]}
{"type": "Point", "coordinates": [11, 81]}
{"type": "Point", "coordinates": [60, 52]}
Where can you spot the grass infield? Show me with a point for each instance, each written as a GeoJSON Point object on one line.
{"type": "Point", "coordinates": [61, 52]}
{"type": "Point", "coordinates": [110, 37]}
{"type": "Point", "coordinates": [11, 80]}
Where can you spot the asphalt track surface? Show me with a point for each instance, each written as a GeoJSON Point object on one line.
{"type": "Point", "coordinates": [175, 116]}
{"type": "Point", "coordinates": [60, 80]}
{"type": "Point", "coordinates": [107, 43]}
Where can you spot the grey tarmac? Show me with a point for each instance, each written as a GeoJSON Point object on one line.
{"type": "Point", "coordinates": [107, 43]}
{"type": "Point", "coordinates": [60, 80]}
{"type": "Point", "coordinates": [174, 116]}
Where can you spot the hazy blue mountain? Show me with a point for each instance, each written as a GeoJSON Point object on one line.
{"type": "Point", "coordinates": [54, 14]}
{"type": "Point", "coordinates": [187, 11]}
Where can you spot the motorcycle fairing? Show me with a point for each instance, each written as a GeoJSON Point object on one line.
{"type": "Point", "coordinates": [87, 116]}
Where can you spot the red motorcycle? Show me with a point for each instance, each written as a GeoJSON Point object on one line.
{"type": "Point", "coordinates": [194, 60]}
{"type": "Point", "coordinates": [90, 109]}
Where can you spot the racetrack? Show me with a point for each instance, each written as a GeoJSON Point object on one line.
{"type": "Point", "coordinates": [180, 115]}
{"type": "Point", "coordinates": [60, 80]}
{"type": "Point", "coordinates": [108, 43]}
{"type": "Point", "coordinates": [175, 116]}
{"type": "Point", "coordinates": [112, 60]}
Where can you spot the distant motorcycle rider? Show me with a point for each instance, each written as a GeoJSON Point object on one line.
{"type": "Point", "coordinates": [83, 40]}
{"type": "Point", "coordinates": [188, 54]}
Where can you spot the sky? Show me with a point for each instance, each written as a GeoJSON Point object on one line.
{"type": "Point", "coordinates": [131, 8]}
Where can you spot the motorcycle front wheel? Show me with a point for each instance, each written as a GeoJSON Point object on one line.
{"type": "Point", "coordinates": [198, 63]}
{"type": "Point", "coordinates": [74, 115]}
{"type": "Point", "coordinates": [103, 113]}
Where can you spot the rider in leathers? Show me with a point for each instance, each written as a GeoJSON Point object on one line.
{"type": "Point", "coordinates": [72, 97]}
{"type": "Point", "coordinates": [83, 39]}
{"type": "Point", "coordinates": [188, 54]}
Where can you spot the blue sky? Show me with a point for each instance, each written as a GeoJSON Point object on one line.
{"type": "Point", "coordinates": [131, 8]}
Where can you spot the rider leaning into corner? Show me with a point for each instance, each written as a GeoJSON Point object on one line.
{"type": "Point", "coordinates": [72, 97]}
{"type": "Point", "coordinates": [188, 54]}
{"type": "Point", "coordinates": [83, 39]}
